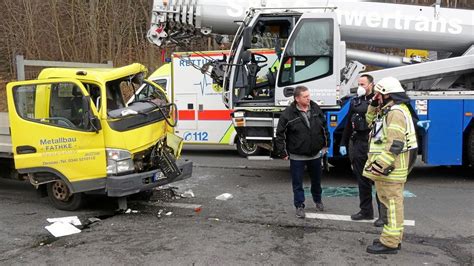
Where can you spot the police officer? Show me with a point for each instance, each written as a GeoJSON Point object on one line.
{"type": "Point", "coordinates": [356, 134]}
{"type": "Point", "coordinates": [392, 153]}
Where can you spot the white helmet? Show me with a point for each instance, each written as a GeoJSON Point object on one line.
{"type": "Point", "coordinates": [388, 85]}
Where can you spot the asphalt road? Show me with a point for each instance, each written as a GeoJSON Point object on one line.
{"type": "Point", "coordinates": [256, 226]}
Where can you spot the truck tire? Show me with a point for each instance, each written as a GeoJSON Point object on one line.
{"type": "Point", "coordinates": [245, 149]}
{"type": "Point", "coordinates": [60, 196]}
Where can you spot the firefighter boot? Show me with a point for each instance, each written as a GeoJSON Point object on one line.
{"type": "Point", "coordinates": [379, 248]}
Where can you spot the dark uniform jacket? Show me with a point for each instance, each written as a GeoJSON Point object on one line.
{"type": "Point", "coordinates": [294, 136]}
{"type": "Point", "coordinates": [356, 127]}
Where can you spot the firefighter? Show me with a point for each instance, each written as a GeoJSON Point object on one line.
{"type": "Point", "coordinates": [356, 134]}
{"type": "Point", "coordinates": [392, 153]}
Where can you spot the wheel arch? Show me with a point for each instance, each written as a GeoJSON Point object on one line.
{"type": "Point", "coordinates": [74, 187]}
{"type": "Point", "coordinates": [54, 174]}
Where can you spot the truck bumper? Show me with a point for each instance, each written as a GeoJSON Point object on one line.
{"type": "Point", "coordinates": [120, 186]}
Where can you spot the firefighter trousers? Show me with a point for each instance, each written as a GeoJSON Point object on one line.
{"type": "Point", "coordinates": [391, 196]}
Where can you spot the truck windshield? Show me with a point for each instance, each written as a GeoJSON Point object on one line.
{"type": "Point", "coordinates": [148, 92]}
{"type": "Point", "coordinates": [149, 105]}
{"type": "Point", "coordinates": [309, 54]}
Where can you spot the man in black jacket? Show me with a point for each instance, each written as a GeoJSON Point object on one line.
{"type": "Point", "coordinates": [356, 134]}
{"type": "Point", "coordinates": [303, 138]}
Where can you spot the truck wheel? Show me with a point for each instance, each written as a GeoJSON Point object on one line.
{"type": "Point", "coordinates": [246, 149]}
{"type": "Point", "coordinates": [61, 198]}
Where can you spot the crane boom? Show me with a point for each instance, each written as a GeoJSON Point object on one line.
{"type": "Point", "coordinates": [378, 24]}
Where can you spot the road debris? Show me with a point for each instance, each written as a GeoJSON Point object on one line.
{"type": "Point", "coordinates": [167, 193]}
{"type": "Point", "coordinates": [187, 194]}
{"type": "Point", "coordinates": [131, 211]}
{"type": "Point", "coordinates": [195, 207]}
{"type": "Point", "coordinates": [74, 220]}
{"type": "Point", "coordinates": [224, 196]}
{"type": "Point", "coordinates": [93, 220]}
{"type": "Point", "coordinates": [159, 213]}
{"type": "Point", "coordinates": [59, 229]}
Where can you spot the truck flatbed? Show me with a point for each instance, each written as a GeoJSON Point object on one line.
{"type": "Point", "coordinates": [5, 138]}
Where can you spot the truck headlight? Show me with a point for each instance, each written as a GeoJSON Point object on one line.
{"type": "Point", "coordinates": [119, 161]}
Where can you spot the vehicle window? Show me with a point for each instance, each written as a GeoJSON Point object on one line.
{"type": "Point", "coordinates": [309, 54]}
{"type": "Point", "coordinates": [94, 93]}
{"type": "Point", "coordinates": [269, 33]}
{"type": "Point", "coordinates": [149, 92]}
{"type": "Point", "coordinates": [162, 83]}
{"type": "Point", "coordinates": [116, 91]}
{"type": "Point", "coordinates": [58, 104]}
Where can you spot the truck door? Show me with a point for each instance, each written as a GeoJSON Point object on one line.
{"type": "Point", "coordinates": [52, 130]}
{"type": "Point", "coordinates": [311, 59]}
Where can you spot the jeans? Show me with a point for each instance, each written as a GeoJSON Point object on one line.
{"type": "Point", "coordinates": [297, 168]}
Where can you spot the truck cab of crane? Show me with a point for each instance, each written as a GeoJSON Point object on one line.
{"type": "Point", "coordinates": [311, 57]}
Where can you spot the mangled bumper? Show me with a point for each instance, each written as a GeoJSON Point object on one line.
{"type": "Point", "coordinates": [120, 186]}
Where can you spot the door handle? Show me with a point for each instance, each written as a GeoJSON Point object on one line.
{"type": "Point", "coordinates": [25, 149]}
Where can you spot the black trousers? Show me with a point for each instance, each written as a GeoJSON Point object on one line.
{"type": "Point", "coordinates": [358, 153]}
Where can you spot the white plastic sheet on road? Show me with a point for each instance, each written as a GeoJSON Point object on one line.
{"type": "Point", "coordinates": [59, 229]}
{"type": "Point", "coordinates": [69, 219]}
{"type": "Point", "coordinates": [224, 196]}
{"type": "Point", "coordinates": [63, 226]}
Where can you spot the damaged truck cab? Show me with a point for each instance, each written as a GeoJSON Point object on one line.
{"type": "Point", "coordinates": [72, 134]}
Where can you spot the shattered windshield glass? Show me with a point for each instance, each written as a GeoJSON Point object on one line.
{"type": "Point", "coordinates": [148, 105]}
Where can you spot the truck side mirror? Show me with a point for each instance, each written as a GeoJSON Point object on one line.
{"type": "Point", "coordinates": [247, 38]}
{"type": "Point", "coordinates": [95, 123]}
{"type": "Point", "coordinates": [288, 91]}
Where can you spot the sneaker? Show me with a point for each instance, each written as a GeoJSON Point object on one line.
{"type": "Point", "coordinates": [360, 216]}
{"type": "Point", "coordinates": [378, 223]}
{"type": "Point", "coordinates": [300, 212]}
{"type": "Point", "coordinates": [320, 206]}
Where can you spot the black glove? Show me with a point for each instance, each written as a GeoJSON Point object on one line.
{"type": "Point", "coordinates": [374, 103]}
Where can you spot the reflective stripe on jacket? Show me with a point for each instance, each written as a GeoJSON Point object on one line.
{"type": "Point", "coordinates": [392, 140]}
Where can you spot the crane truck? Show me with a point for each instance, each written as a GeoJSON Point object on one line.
{"type": "Point", "coordinates": [311, 40]}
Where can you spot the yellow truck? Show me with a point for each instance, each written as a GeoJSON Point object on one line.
{"type": "Point", "coordinates": [70, 134]}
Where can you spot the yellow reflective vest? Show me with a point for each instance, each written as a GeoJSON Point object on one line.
{"type": "Point", "coordinates": [392, 143]}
